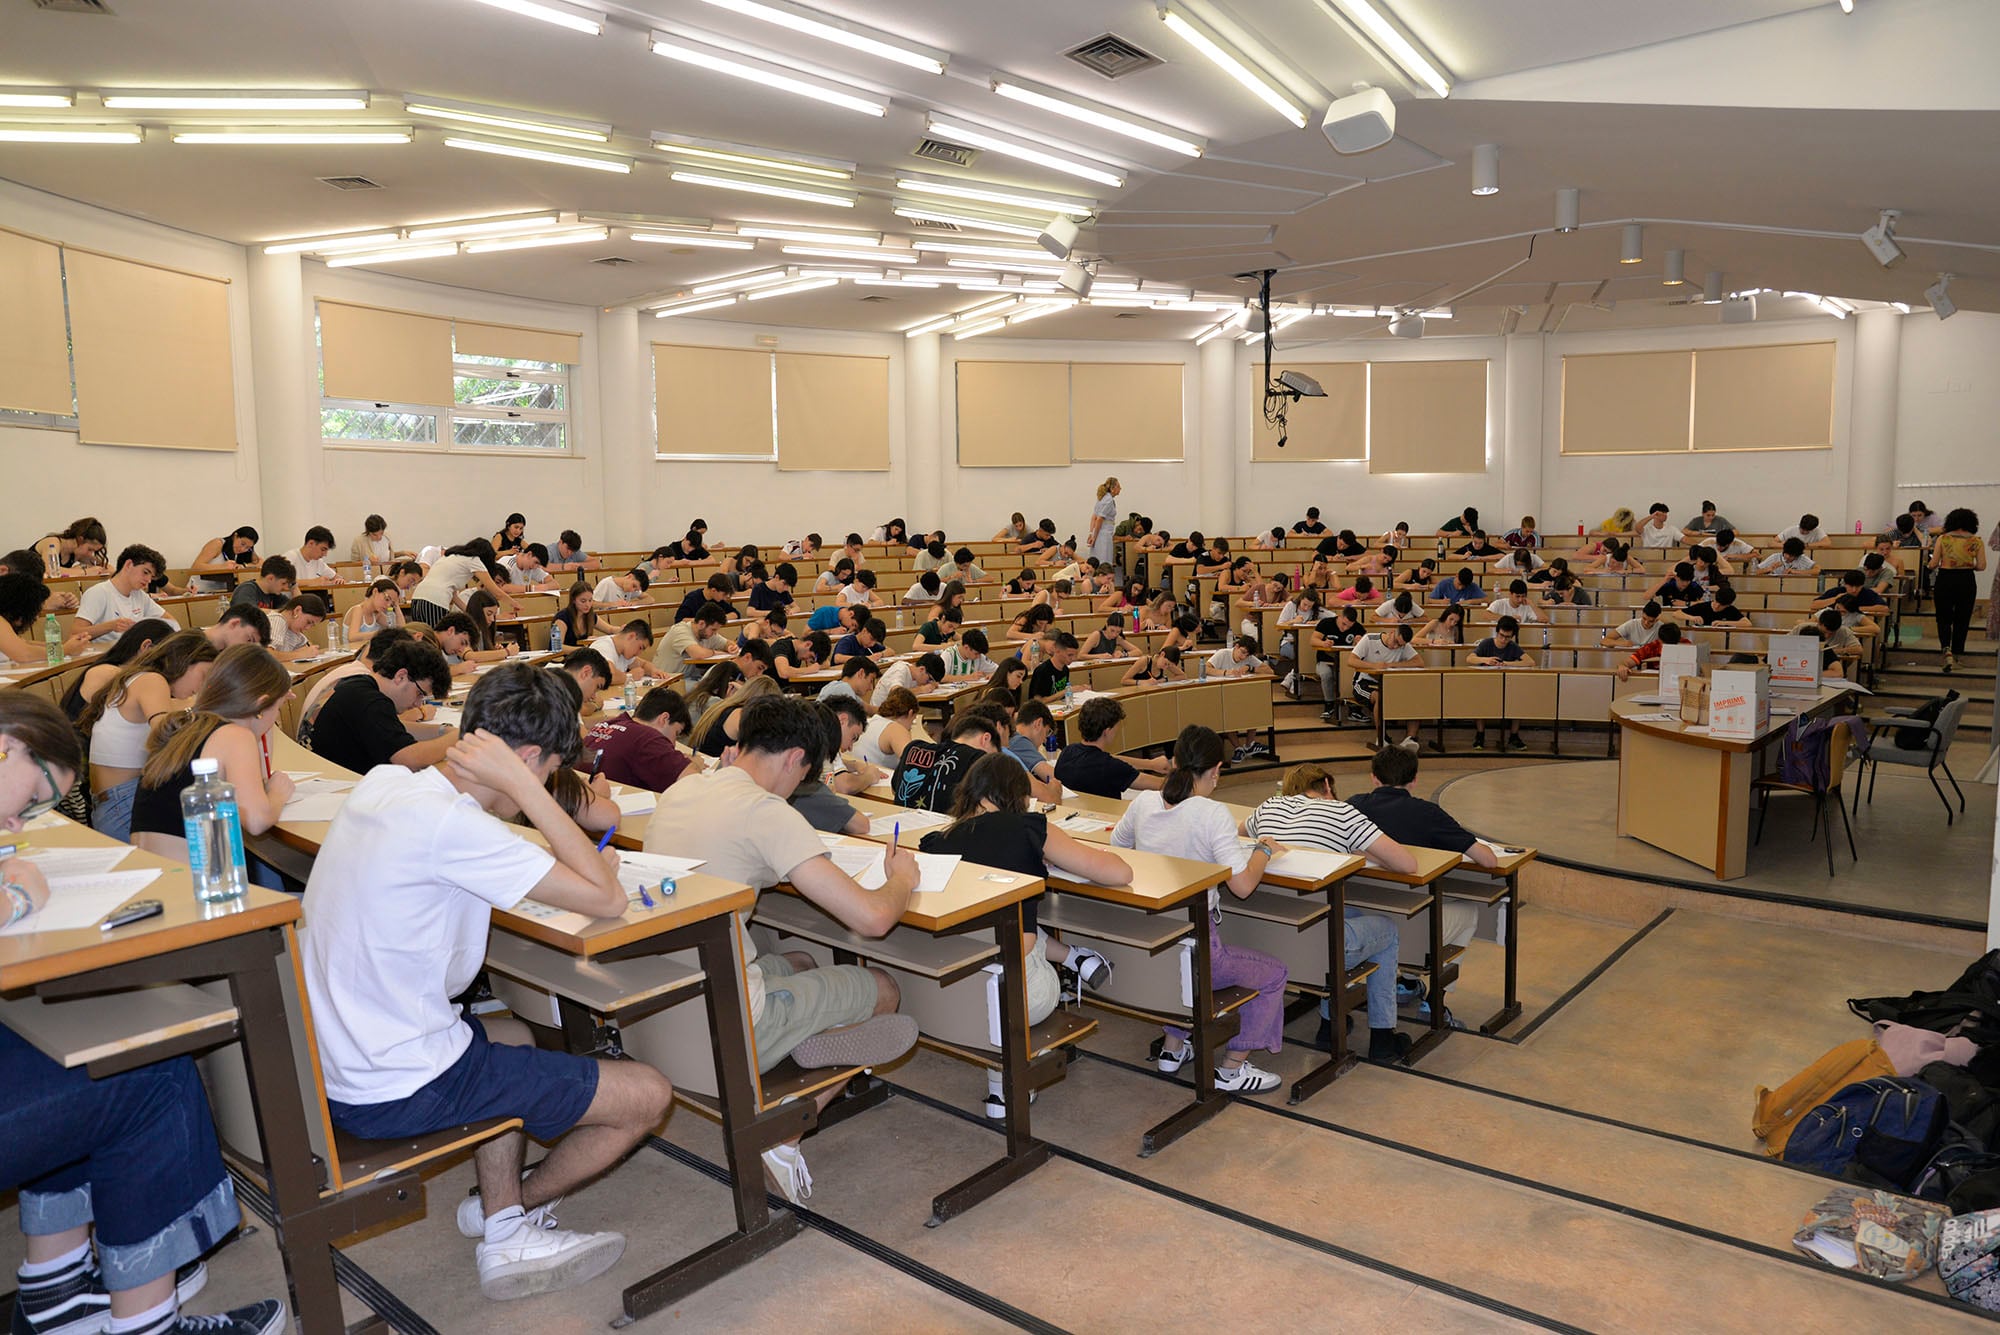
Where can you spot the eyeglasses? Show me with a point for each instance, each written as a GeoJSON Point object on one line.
{"type": "Point", "coordinates": [40, 805]}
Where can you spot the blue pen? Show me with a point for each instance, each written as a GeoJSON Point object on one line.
{"type": "Point", "coordinates": [605, 838]}
{"type": "Point", "coordinates": [895, 835]}
{"type": "Point", "coordinates": [645, 898]}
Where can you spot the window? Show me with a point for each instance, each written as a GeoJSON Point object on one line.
{"type": "Point", "coordinates": [499, 404]}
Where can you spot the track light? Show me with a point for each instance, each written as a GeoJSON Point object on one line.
{"type": "Point", "coordinates": [1567, 209]}
{"type": "Point", "coordinates": [1939, 299]}
{"type": "Point", "coordinates": [1407, 326]}
{"type": "Point", "coordinates": [1486, 169]}
{"type": "Point", "coordinates": [1881, 239]}
{"type": "Point", "coordinates": [1058, 236]}
{"type": "Point", "coordinates": [1632, 248]}
{"type": "Point", "coordinates": [1676, 273]}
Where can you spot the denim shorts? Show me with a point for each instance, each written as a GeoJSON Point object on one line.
{"type": "Point", "coordinates": [548, 1091]}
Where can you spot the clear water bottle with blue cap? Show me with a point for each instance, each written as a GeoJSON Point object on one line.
{"type": "Point", "coordinates": [214, 835]}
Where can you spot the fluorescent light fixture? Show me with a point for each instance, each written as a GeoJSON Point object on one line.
{"type": "Point", "coordinates": [865, 256]}
{"type": "Point", "coordinates": [752, 157]}
{"type": "Point", "coordinates": [1632, 246]}
{"type": "Point", "coordinates": [703, 240]}
{"type": "Point", "coordinates": [1004, 266]}
{"type": "Point", "coordinates": [733, 282]}
{"type": "Point", "coordinates": [754, 186]}
{"type": "Point", "coordinates": [1212, 332]}
{"type": "Point", "coordinates": [385, 135]}
{"type": "Point", "coordinates": [459, 231]}
{"type": "Point", "coordinates": [853, 275]}
{"type": "Point", "coordinates": [770, 73]}
{"type": "Point", "coordinates": [930, 326]}
{"type": "Point", "coordinates": [968, 248]}
{"type": "Point", "coordinates": [991, 194]}
{"type": "Point", "coordinates": [503, 118]}
{"type": "Point", "coordinates": [689, 308]}
{"type": "Point", "coordinates": [621, 166]}
{"type": "Point", "coordinates": [1038, 310]}
{"type": "Point", "coordinates": [972, 313]}
{"type": "Point", "coordinates": [1419, 67]}
{"type": "Point", "coordinates": [249, 99]}
{"type": "Point", "coordinates": [1136, 303]}
{"type": "Point", "coordinates": [1010, 283]}
{"type": "Point", "coordinates": [1486, 169]}
{"type": "Point", "coordinates": [48, 98]}
{"type": "Point", "coordinates": [1009, 144]}
{"type": "Point", "coordinates": [838, 31]}
{"type": "Point", "coordinates": [1090, 113]}
{"type": "Point", "coordinates": [1901, 307]}
{"type": "Point", "coordinates": [1267, 89]}
{"type": "Point", "coordinates": [808, 235]}
{"type": "Point", "coordinates": [971, 222]}
{"type": "Point", "coordinates": [436, 252]}
{"type": "Point", "coordinates": [353, 241]}
{"type": "Point", "coordinates": [804, 285]}
{"type": "Point", "coordinates": [532, 242]}
{"type": "Point", "coordinates": [574, 17]}
{"type": "Point", "coordinates": [895, 282]}
{"type": "Point", "coordinates": [70, 134]}
{"type": "Point", "coordinates": [1676, 273]}
{"type": "Point", "coordinates": [975, 330]}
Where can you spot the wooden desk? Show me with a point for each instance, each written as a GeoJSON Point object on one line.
{"type": "Point", "coordinates": [1376, 889]}
{"type": "Point", "coordinates": [1688, 792]}
{"type": "Point", "coordinates": [240, 944]}
{"type": "Point", "coordinates": [1504, 881]}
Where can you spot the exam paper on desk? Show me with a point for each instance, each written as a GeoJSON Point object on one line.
{"type": "Point", "coordinates": [314, 807]}
{"type": "Point", "coordinates": [55, 862]}
{"type": "Point", "coordinates": [77, 902]}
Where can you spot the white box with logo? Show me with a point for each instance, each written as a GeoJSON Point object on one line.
{"type": "Point", "coordinates": [1739, 703]}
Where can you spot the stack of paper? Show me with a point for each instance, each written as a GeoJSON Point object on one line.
{"type": "Point", "coordinates": [881, 827]}
{"type": "Point", "coordinates": [1084, 822]}
{"type": "Point", "coordinates": [78, 902]}
{"type": "Point", "coordinates": [55, 862]}
{"type": "Point", "coordinates": [635, 801]}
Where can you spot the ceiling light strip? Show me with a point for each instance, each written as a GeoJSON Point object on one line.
{"type": "Point", "coordinates": [689, 308]}
{"type": "Point", "coordinates": [402, 134]}
{"type": "Point", "coordinates": [70, 134]}
{"type": "Point", "coordinates": [838, 31]}
{"type": "Point", "coordinates": [1091, 113]}
{"type": "Point", "coordinates": [1266, 88]}
{"type": "Point", "coordinates": [1401, 51]}
{"type": "Point", "coordinates": [993, 194]}
{"type": "Point", "coordinates": [804, 285]}
{"type": "Point", "coordinates": [248, 99]}
{"type": "Point", "coordinates": [574, 17]}
{"type": "Point", "coordinates": [535, 241]}
{"type": "Point", "coordinates": [1013, 144]}
{"type": "Point", "coordinates": [701, 240]}
{"type": "Point", "coordinates": [437, 252]}
{"type": "Point", "coordinates": [482, 227]}
{"type": "Point", "coordinates": [752, 156]}
{"type": "Point", "coordinates": [38, 98]}
{"type": "Point", "coordinates": [620, 166]}
{"type": "Point", "coordinates": [969, 221]}
{"type": "Point", "coordinates": [755, 186]}
{"type": "Point", "coordinates": [733, 282]}
{"type": "Point", "coordinates": [501, 118]}
{"type": "Point", "coordinates": [769, 73]}
{"type": "Point", "coordinates": [356, 241]}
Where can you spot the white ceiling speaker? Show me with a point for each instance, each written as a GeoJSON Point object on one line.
{"type": "Point", "coordinates": [1075, 278]}
{"type": "Point", "coordinates": [1739, 310]}
{"type": "Point", "coordinates": [1881, 239]}
{"type": "Point", "coordinates": [1567, 209]}
{"type": "Point", "coordinates": [1486, 169]}
{"type": "Point", "coordinates": [1360, 121]}
{"type": "Point", "coordinates": [1632, 245]}
{"type": "Point", "coordinates": [1407, 326]}
{"type": "Point", "coordinates": [1940, 301]}
{"type": "Point", "coordinates": [1058, 236]}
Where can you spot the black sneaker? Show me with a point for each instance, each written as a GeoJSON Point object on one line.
{"type": "Point", "coordinates": [1515, 743]}
{"type": "Point", "coordinates": [1389, 1045]}
{"type": "Point", "coordinates": [265, 1318]}
{"type": "Point", "coordinates": [75, 1303]}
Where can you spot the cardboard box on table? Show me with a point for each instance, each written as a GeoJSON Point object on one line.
{"type": "Point", "coordinates": [1739, 703]}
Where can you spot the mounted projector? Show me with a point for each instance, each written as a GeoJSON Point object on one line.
{"type": "Point", "coordinates": [1300, 385]}
{"type": "Point", "coordinates": [1058, 236]}
{"type": "Point", "coordinates": [1881, 239]}
{"type": "Point", "coordinates": [1739, 310]}
{"type": "Point", "coordinates": [1407, 326]}
{"type": "Point", "coordinates": [1075, 278]}
{"type": "Point", "coordinates": [1941, 302]}
{"type": "Point", "coordinates": [1359, 121]}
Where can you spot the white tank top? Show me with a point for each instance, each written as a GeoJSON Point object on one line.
{"type": "Point", "coordinates": [117, 742]}
{"type": "Point", "coordinates": [869, 748]}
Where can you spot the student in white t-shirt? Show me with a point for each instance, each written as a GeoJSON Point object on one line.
{"type": "Point", "coordinates": [629, 587]}
{"type": "Point", "coordinates": [1241, 659]}
{"type": "Point", "coordinates": [108, 610]}
{"type": "Point", "coordinates": [526, 569]}
{"type": "Point", "coordinates": [1807, 531]}
{"type": "Point", "coordinates": [1386, 648]}
{"type": "Point", "coordinates": [1514, 603]}
{"type": "Point", "coordinates": [290, 623]}
{"type": "Point", "coordinates": [1659, 530]}
{"type": "Point", "coordinates": [1791, 559]}
{"type": "Point", "coordinates": [403, 894]}
{"type": "Point", "coordinates": [309, 558]}
{"type": "Point", "coordinates": [626, 652]}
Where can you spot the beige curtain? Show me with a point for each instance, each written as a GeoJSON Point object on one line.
{"type": "Point", "coordinates": [1125, 411]}
{"type": "Point", "coordinates": [713, 401]}
{"type": "Point", "coordinates": [1427, 417]}
{"type": "Point", "coordinates": [34, 333]}
{"type": "Point", "coordinates": [833, 413]}
{"type": "Point", "coordinates": [1779, 396]}
{"type": "Point", "coordinates": [152, 355]}
{"type": "Point", "coordinates": [1335, 427]}
{"type": "Point", "coordinates": [1626, 402]}
{"type": "Point", "coordinates": [1013, 414]}
{"type": "Point", "coordinates": [475, 339]}
{"type": "Point", "coordinates": [382, 356]}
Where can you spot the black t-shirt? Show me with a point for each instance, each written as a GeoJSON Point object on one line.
{"type": "Point", "coordinates": [1210, 561]}
{"type": "Point", "coordinates": [1328, 546]}
{"type": "Point", "coordinates": [1411, 821]}
{"type": "Point", "coordinates": [789, 649]}
{"type": "Point", "coordinates": [1710, 613]}
{"type": "Point", "coordinates": [1328, 628]}
{"type": "Point", "coordinates": [1180, 551]}
{"type": "Point", "coordinates": [1479, 549]}
{"type": "Point", "coordinates": [248, 593]}
{"type": "Point", "coordinates": [692, 601]}
{"type": "Point", "coordinates": [1669, 592]}
{"type": "Point", "coordinates": [1009, 840]}
{"type": "Point", "coordinates": [1090, 769]}
{"type": "Point", "coordinates": [1047, 680]}
{"type": "Point", "coordinates": [763, 598]}
{"type": "Point", "coordinates": [1015, 586]}
{"type": "Point", "coordinates": [1488, 649]}
{"type": "Point", "coordinates": [1312, 526]}
{"type": "Point", "coordinates": [357, 727]}
{"type": "Point", "coordinates": [929, 772]}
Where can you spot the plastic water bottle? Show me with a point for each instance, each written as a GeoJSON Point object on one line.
{"type": "Point", "coordinates": [1201, 668]}
{"type": "Point", "coordinates": [367, 566]}
{"type": "Point", "coordinates": [556, 637]}
{"type": "Point", "coordinates": [631, 694]}
{"type": "Point", "coordinates": [1069, 694]}
{"type": "Point", "coordinates": [52, 638]}
{"type": "Point", "coordinates": [214, 835]}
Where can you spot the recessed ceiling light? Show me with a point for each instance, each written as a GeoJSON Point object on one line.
{"type": "Point", "coordinates": [621, 166]}
{"type": "Point", "coordinates": [534, 241]}
{"type": "Point", "coordinates": [1676, 273]}
{"type": "Point", "coordinates": [437, 252]}
{"type": "Point", "coordinates": [756, 186]}
{"type": "Point", "coordinates": [704, 240]}
{"type": "Point", "coordinates": [1486, 169]}
{"type": "Point", "coordinates": [70, 134]}
{"type": "Point", "coordinates": [993, 194]}
{"type": "Point", "coordinates": [971, 222]}
{"type": "Point", "coordinates": [1237, 67]}
{"type": "Point", "coordinates": [384, 135]}
{"type": "Point", "coordinates": [829, 29]}
{"type": "Point", "coordinates": [504, 118]}
{"type": "Point", "coordinates": [805, 285]}
{"type": "Point", "coordinates": [752, 157]}
{"type": "Point", "coordinates": [690, 307]}
{"type": "Point", "coordinates": [1009, 144]}
{"type": "Point", "coordinates": [574, 17]}
{"type": "Point", "coordinates": [37, 97]}
{"type": "Point", "coordinates": [473, 227]}
{"type": "Point", "coordinates": [353, 241]}
{"type": "Point", "coordinates": [245, 100]}
{"type": "Point", "coordinates": [1090, 113]}
{"type": "Point", "coordinates": [767, 71]}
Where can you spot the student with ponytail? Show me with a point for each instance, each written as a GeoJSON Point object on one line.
{"type": "Point", "coordinates": [232, 714]}
{"type": "Point", "coordinates": [119, 721]}
{"type": "Point", "coordinates": [1183, 820]}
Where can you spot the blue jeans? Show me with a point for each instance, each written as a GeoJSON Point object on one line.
{"type": "Point", "coordinates": [135, 1153]}
{"type": "Point", "coordinates": [1372, 937]}
{"type": "Point", "coordinates": [111, 812]}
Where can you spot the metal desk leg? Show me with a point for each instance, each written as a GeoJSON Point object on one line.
{"type": "Point", "coordinates": [1510, 1010]}
{"type": "Point", "coordinates": [1206, 1030]}
{"type": "Point", "coordinates": [1340, 1061]}
{"type": "Point", "coordinates": [1439, 1028]}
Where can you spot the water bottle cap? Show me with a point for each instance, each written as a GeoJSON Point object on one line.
{"type": "Point", "coordinates": [201, 767]}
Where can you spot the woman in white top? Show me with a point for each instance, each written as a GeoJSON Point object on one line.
{"type": "Point", "coordinates": [375, 612]}
{"type": "Point", "coordinates": [164, 678]}
{"type": "Point", "coordinates": [457, 569]}
{"type": "Point", "coordinates": [890, 730]}
{"type": "Point", "coordinates": [1016, 530]}
{"type": "Point", "coordinates": [1400, 610]}
{"type": "Point", "coordinates": [374, 545]}
{"type": "Point", "coordinates": [1183, 820]}
{"type": "Point", "coordinates": [1104, 520]}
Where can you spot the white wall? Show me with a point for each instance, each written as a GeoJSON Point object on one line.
{"type": "Point", "coordinates": [1948, 413]}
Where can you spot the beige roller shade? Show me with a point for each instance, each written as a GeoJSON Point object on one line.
{"type": "Point", "coordinates": [833, 413]}
{"type": "Point", "coordinates": [152, 355]}
{"type": "Point", "coordinates": [34, 335]}
{"type": "Point", "coordinates": [381, 356]}
{"type": "Point", "coordinates": [713, 401]}
{"type": "Point", "coordinates": [474, 339]}
{"type": "Point", "coordinates": [1626, 402]}
{"type": "Point", "coordinates": [1777, 397]}
{"type": "Point", "coordinates": [1427, 417]}
{"type": "Point", "coordinates": [1335, 427]}
{"type": "Point", "coordinates": [1013, 414]}
{"type": "Point", "coordinates": [1120, 411]}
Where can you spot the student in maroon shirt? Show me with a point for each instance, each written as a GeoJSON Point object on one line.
{"type": "Point", "coordinates": [638, 749]}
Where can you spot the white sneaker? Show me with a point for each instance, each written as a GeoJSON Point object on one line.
{"type": "Point", "coordinates": [472, 1216]}
{"type": "Point", "coordinates": [1245, 1079]}
{"type": "Point", "coordinates": [540, 1260]}
{"type": "Point", "coordinates": [787, 1167]}
{"type": "Point", "coordinates": [1411, 744]}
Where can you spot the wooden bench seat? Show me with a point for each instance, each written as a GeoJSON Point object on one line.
{"type": "Point", "coordinates": [944, 958]}
{"type": "Point", "coordinates": [1060, 1030]}
{"type": "Point", "coordinates": [358, 1161]}
{"type": "Point", "coordinates": [529, 976]}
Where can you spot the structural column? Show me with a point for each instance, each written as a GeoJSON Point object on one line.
{"type": "Point", "coordinates": [923, 433]}
{"type": "Point", "coordinates": [1219, 414]}
{"type": "Point", "coordinates": [624, 448]}
{"type": "Point", "coordinates": [1871, 440]}
{"type": "Point", "coordinates": [285, 390]}
{"type": "Point", "coordinates": [1520, 421]}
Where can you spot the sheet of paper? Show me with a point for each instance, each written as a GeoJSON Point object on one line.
{"type": "Point", "coordinates": [636, 801]}
{"type": "Point", "coordinates": [881, 827]}
{"type": "Point", "coordinates": [650, 867]}
{"type": "Point", "coordinates": [48, 820]}
{"type": "Point", "coordinates": [447, 714]}
{"type": "Point", "coordinates": [317, 787]}
{"type": "Point", "coordinates": [314, 807]}
{"type": "Point", "coordinates": [56, 862]}
{"type": "Point", "coordinates": [1504, 850]}
{"type": "Point", "coordinates": [1307, 863]}
{"type": "Point", "coordinates": [77, 902]}
{"type": "Point", "coordinates": [1083, 822]}
{"type": "Point", "coordinates": [857, 859]}
{"type": "Point", "coordinates": [933, 869]}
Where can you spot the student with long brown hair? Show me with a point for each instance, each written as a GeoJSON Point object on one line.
{"type": "Point", "coordinates": [120, 721]}
{"type": "Point", "coordinates": [228, 722]}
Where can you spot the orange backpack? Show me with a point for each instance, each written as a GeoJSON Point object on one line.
{"type": "Point", "coordinates": [1778, 1110]}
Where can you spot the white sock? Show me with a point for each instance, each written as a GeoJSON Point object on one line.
{"type": "Point", "coordinates": [501, 1226]}
{"type": "Point", "coordinates": [153, 1318]}
{"type": "Point", "coordinates": [994, 1083]}
{"type": "Point", "coordinates": [33, 1270]}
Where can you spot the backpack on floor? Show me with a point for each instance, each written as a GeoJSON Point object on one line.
{"type": "Point", "coordinates": [1873, 1232]}
{"type": "Point", "coordinates": [1888, 1126]}
{"type": "Point", "coordinates": [1958, 1168]}
{"type": "Point", "coordinates": [1967, 1260]}
{"type": "Point", "coordinates": [1778, 1110]}
{"type": "Point", "coordinates": [1970, 1006]}
{"type": "Point", "coordinates": [1919, 739]}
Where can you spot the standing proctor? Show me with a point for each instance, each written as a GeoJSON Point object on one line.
{"type": "Point", "coordinates": [1104, 520]}
{"type": "Point", "coordinates": [1956, 556]}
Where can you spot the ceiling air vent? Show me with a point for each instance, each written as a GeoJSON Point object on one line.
{"type": "Point", "coordinates": [931, 224]}
{"type": "Point", "coordinates": [349, 183]}
{"type": "Point", "coordinates": [73, 6]}
{"type": "Point", "coordinates": [939, 151]}
{"type": "Point", "coordinates": [1112, 56]}
{"type": "Point", "coordinates": [614, 261]}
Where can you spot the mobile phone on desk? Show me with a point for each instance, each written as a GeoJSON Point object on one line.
{"type": "Point", "coordinates": [137, 911]}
